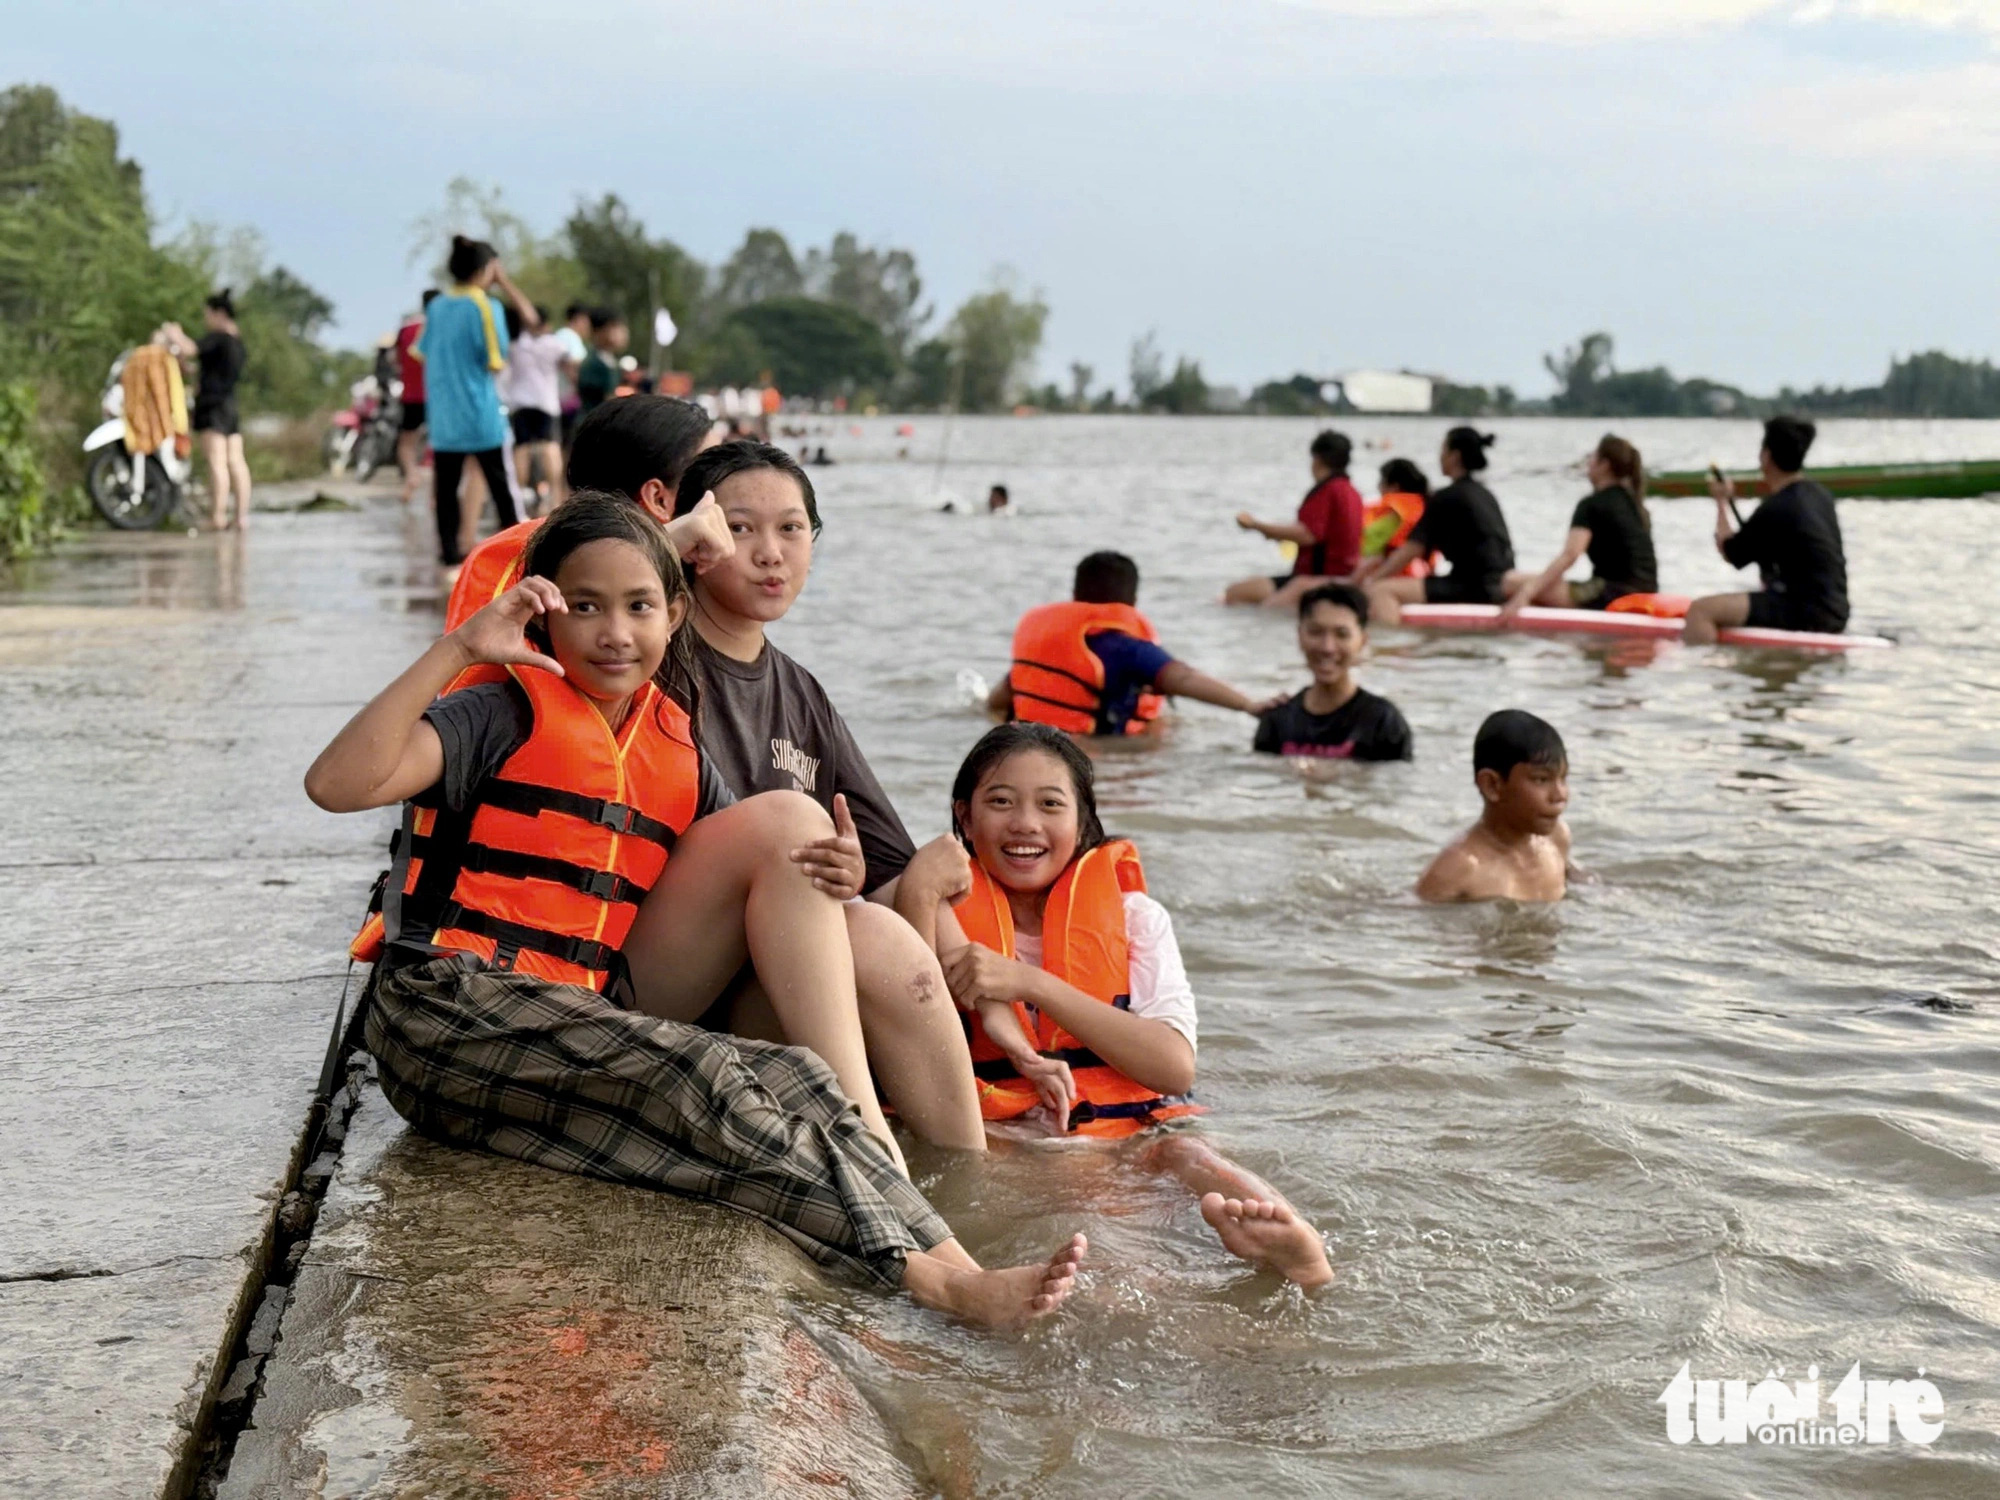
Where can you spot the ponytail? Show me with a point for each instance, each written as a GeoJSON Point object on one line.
{"type": "Point", "coordinates": [1622, 459]}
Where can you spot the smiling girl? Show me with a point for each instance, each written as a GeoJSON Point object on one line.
{"type": "Point", "coordinates": [551, 818]}
{"type": "Point", "coordinates": [1085, 1020]}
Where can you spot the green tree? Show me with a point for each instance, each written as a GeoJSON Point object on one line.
{"type": "Point", "coordinates": [996, 335]}
{"type": "Point", "coordinates": [761, 269]}
{"type": "Point", "coordinates": [1935, 384]}
{"type": "Point", "coordinates": [816, 348]}
{"type": "Point", "coordinates": [1080, 376]}
{"type": "Point", "coordinates": [1144, 367]}
{"type": "Point", "coordinates": [628, 271]}
{"type": "Point", "coordinates": [880, 284]}
{"type": "Point", "coordinates": [931, 379]}
{"type": "Point", "coordinates": [1183, 393]}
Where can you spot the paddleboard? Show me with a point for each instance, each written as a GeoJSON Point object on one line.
{"type": "Point", "coordinates": [1611, 622]}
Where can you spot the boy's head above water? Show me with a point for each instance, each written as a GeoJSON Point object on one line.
{"type": "Point", "coordinates": [773, 514]}
{"type": "Point", "coordinates": [1024, 804]}
{"type": "Point", "coordinates": [1522, 772]}
{"type": "Point", "coordinates": [1106, 578]}
{"type": "Point", "coordinates": [1333, 630]}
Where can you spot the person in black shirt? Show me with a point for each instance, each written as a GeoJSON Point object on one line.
{"type": "Point", "coordinates": [1335, 718]}
{"type": "Point", "coordinates": [1794, 539]}
{"type": "Point", "coordinates": [1610, 526]}
{"type": "Point", "coordinates": [219, 357]}
{"type": "Point", "coordinates": [1462, 521]}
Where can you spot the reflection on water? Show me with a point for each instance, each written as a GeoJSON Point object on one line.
{"type": "Point", "coordinates": [1730, 1103]}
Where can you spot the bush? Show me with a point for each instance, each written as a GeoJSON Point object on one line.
{"type": "Point", "coordinates": [30, 516]}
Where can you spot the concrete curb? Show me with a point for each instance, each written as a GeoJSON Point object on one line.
{"type": "Point", "coordinates": [468, 1325]}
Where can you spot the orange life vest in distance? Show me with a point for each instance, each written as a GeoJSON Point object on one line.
{"type": "Point", "coordinates": [490, 569]}
{"type": "Point", "coordinates": [1386, 523]}
{"type": "Point", "coordinates": [545, 872]}
{"type": "Point", "coordinates": [1058, 680]}
{"type": "Point", "coordinates": [1083, 945]}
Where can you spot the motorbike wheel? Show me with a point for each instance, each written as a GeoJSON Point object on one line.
{"type": "Point", "coordinates": [109, 482]}
{"type": "Point", "coordinates": [371, 451]}
{"type": "Point", "coordinates": [337, 447]}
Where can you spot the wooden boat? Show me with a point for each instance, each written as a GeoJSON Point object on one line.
{"type": "Point", "coordinates": [1955, 480]}
{"type": "Point", "coordinates": [1637, 626]}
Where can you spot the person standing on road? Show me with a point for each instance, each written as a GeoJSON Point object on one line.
{"type": "Point", "coordinates": [410, 370]}
{"type": "Point", "coordinates": [532, 388]}
{"type": "Point", "coordinates": [219, 356]}
{"type": "Point", "coordinates": [463, 346]}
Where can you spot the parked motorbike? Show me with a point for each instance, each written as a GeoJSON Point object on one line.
{"type": "Point", "coordinates": [133, 491]}
{"type": "Point", "coordinates": [363, 438]}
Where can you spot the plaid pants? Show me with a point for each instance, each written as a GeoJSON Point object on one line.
{"type": "Point", "coordinates": [559, 1076]}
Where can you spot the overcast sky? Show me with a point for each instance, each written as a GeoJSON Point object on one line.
{"type": "Point", "coordinates": [1763, 191]}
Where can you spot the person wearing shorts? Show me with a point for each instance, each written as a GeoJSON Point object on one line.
{"type": "Point", "coordinates": [219, 358]}
{"type": "Point", "coordinates": [1464, 523]}
{"type": "Point", "coordinates": [532, 389]}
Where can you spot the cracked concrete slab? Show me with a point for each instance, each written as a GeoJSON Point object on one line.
{"type": "Point", "coordinates": [470, 1326]}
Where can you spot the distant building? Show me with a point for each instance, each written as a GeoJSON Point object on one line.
{"type": "Point", "coordinates": [1386, 391]}
{"type": "Point", "coordinates": [1225, 398]}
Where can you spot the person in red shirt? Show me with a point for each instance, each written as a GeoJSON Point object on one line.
{"type": "Point", "coordinates": [1327, 532]}
{"type": "Point", "coordinates": [410, 370]}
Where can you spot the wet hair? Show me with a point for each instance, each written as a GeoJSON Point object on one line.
{"type": "Point", "coordinates": [431, 294]}
{"type": "Point", "coordinates": [1470, 446]}
{"type": "Point", "coordinates": [1788, 440]}
{"type": "Point", "coordinates": [1514, 737]}
{"type": "Point", "coordinates": [469, 257]}
{"type": "Point", "coordinates": [998, 489]}
{"type": "Point", "coordinates": [624, 443]}
{"type": "Point", "coordinates": [1401, 477]}
{"type": "Point", "coordinates": [594, 516]}
{"type": "Point", "coordinates": [1333, 449]}
{"type": "Point", "coordinates": [220, 302]}
{"type": "Point", "coordinates": [1622, 459]}
{"type": "Point", "coordinates": [1106, 578]}
{"type": "Point", "coordinates": [1346, 595]}
{"type": "Point", "coordinates": [1004, 740]}
{"type": "Point", "coordinates": [737, 456]}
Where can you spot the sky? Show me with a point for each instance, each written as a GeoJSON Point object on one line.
{"type": "Point", "coordinates": [1761, 191]}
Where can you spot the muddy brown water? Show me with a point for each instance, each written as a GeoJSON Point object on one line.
{"type": "Point", "coordinates": [1732, 1103]}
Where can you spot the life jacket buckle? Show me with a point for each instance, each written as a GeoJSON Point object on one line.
{"type": "Point", "coordinates": [618, 817]}
{"type": "Point", "coordinates": [604, 885]}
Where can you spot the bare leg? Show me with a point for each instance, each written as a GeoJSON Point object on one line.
{"type": "Point", "coordinates": [1555, 596]}
{"type": "Point", "coordinates": [215, 449]}
{"type": "Point", "coordinates": [915, 1040]}
{"type": "Point", "coordinates": [1248, 1215]}
{"type": "Point", "coordinates": [1714, 612]}
{"type": "Point", "coordinates": [239, 472]}
{"type": "Point", "coordinates": [409, 447]}
{"type": "Point", "coordinates": [1294, 589]}
{"type": "Point", "coordinates": [731, 891]}
{"type": "Point", "coordinates": [552, 465]}
{"type": "Point", "coordinates": [1249, 591]}
{"type": "Point", "coordinates": [993, 1299]}
{"type": "Point", "coordinates": [1387, 596]}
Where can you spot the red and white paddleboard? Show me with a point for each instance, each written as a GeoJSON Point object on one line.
{"type": "Point", "coordinates": [1612, 622]}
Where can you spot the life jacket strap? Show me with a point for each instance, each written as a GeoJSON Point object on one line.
{"type": "Point", "coordinates": [530, 800]}
{"type": "Point", "coordinates": [583, 952]}
{"type": "Point", "coordinates": [995, 1069]}
{"type": "Point", "coordinates": [605, 885]}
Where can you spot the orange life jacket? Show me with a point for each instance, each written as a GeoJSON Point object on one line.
{"type": "Point", "coordinates": [1083, 945]}
{"type": "Point", "coordinates": [1058, 680]}
{"type": "Point", "coordinates": [490, 569]}
{"type": "Point", "coordinates": [1386, 524]}
{"type": "Point", "coordinates": [545, 872]}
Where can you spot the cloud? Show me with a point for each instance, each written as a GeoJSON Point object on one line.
{"type": "Point", "coordinates": [1950, 113]}
{"type": "Point", "coordinates": [1614, 20]}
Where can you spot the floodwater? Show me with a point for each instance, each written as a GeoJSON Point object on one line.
{"type": "Point", "coordinates": [1732, 1103]}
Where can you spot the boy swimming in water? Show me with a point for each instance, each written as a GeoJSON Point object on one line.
{"type": "Point", "coordinates": [1335, 718]}
{"type": "Point", "coordinates": [1519, 848]}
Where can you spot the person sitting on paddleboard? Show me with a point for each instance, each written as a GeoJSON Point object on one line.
{"type": "Point", "coordinates": [1335, 718]}
{"type": "Point", "coordinates": [1386, 522]}
{"type": "Point", "coordinates": [1793, 537]}
{"type": "Point", "coordinates": [1462, 521]}
{"type": "Point", "coordinates": [1519, 848]}
{"type": "Point", "coordinates": [1612, 527]}
{"type": "Point", "coordinates": [1327, 531]}
{"type": "Point", "coordinates": [1084, 1021]}
{"type": "Point", "coordinates": [573, 886]}
{"type": "Point", "coordinates": [1095, 664]}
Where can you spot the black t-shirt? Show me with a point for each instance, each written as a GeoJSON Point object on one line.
{"type": "Point", "coordinates": [1463, 521]}
{"type": "Point", "coordinates": [1621, 544]}
{"type": "Point", "coordinates": [1794, 538]}
{"type": "Point", "coordinates": [768, 726]}
{"type": "Point", "coordinates": [480, 727]}
{"type": "Point", "coordinates": [1365, 727]}
{"type": "Point", "coordinates": [220, 356]}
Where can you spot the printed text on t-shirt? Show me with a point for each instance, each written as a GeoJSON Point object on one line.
{"type": "Point", "coordinates": [803, 768]}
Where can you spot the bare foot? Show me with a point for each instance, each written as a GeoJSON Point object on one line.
{"type": "Point", "coordinates": [996, 1299]}
{"type": "Point", "coordinates": [1269, 1235]}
